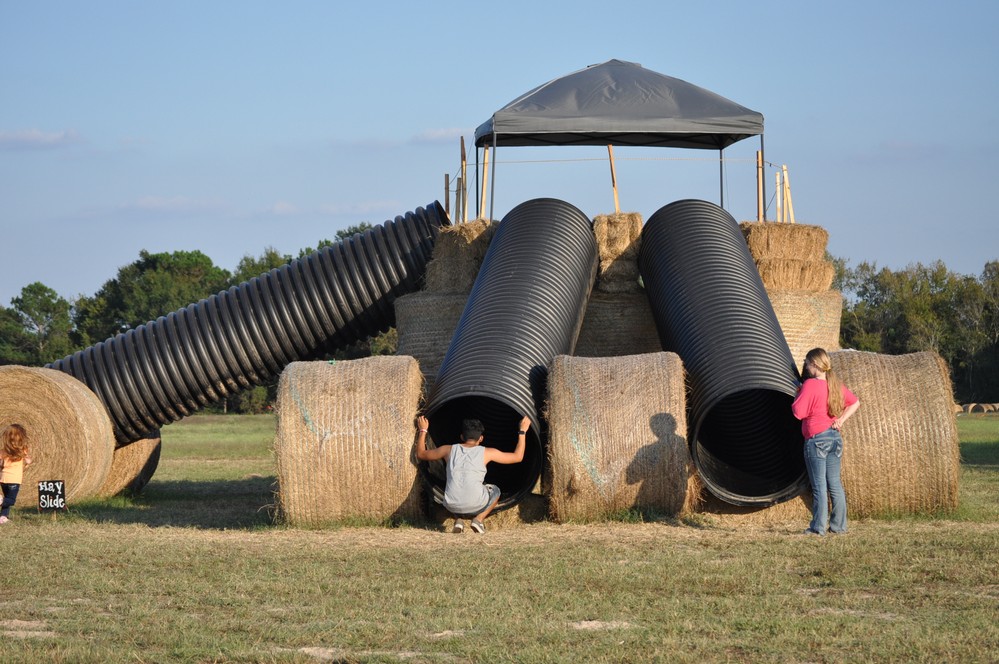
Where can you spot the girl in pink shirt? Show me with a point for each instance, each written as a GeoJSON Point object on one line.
{"type": "Point", "coordinates": [823, 404]}
{"type": "Point", "coordinates": [13, 458]}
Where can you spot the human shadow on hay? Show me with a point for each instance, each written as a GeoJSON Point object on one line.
{"type": "Point", "coordinates": [242, 504]}
{"type": "Point", "coordinates": [646, 467]}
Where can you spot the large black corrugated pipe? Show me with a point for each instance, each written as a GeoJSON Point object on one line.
{"type": "Point", "coordinates": [526, 307]}
{"type": "Point", "coordinates": [711, 309]}
{"type": "Point", "coordinates": [168, 368]}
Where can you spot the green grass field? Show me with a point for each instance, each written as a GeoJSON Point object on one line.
{"type": "Point", "coordinates": [195, 570]}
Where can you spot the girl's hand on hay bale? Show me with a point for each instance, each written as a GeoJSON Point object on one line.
{"type": "Point", "coordinates": [525, 423]}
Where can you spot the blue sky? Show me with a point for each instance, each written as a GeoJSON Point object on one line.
{"type": "Point", "coordinates": [229, 127]}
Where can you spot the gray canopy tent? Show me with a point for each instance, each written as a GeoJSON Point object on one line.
{"type": "Point", "coordinates": [618, 103]}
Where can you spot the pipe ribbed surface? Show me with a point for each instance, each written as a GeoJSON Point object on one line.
{"type": "Point", "coordinates": [525, 307]}
{"type": "Point", "coordinates": [171, 367]}
{"type": "Point", "coordinates": [711, 309]}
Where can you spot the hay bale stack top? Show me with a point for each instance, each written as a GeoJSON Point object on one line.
{"type": "Point", "coordinates": [458, 255]}
{"type": "Point", "coordinates": [618, 241]}
{"type": "Point", "coordinates": [72, 438]}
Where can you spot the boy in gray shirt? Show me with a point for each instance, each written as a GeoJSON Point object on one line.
{"type": "Point", "coordinates": [465, 490]}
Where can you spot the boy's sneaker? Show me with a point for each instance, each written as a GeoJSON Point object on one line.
{"type": "Point", "coordinates": [4, 519]}
{"type": "Point", "coordinates": [459, 526]}
{"type": "Point", "coordinates": [478, 526]}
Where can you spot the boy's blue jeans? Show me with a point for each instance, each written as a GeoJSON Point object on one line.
{"type": "Point", "coordinates": [823, 454]}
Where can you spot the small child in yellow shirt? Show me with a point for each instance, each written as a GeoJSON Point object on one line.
{"type": "Point", "coordinates": [14, 449]}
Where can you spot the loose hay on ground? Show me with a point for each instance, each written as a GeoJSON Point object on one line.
{"type": "Point", "coordinates": [808, 319]}
{"type": "Point", "coordinates": [617, 436]}
{"type": "Point", "coordinates": [72, 436]}
{"type": "Point", "coordinates": [618, 239]}
{"type": "Point", "coordinates": [774, 240]}
{"type": "Point", "coordinates": [132, 466]}
{"type": "Point", "coordinates": [901, 451]}
{"type": "Point", "coordinates": [344, 441]}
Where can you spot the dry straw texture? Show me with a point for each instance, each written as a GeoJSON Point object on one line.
{"type": "Point", "coordinates": [618, 241]}
{"type": "Point", "coordinates": [797, 511]}
{"type": "Point", "coordinates": [901, 447]}
{"type": "Point", "coordinates": [344, 441]}
{"type": "Point", "coordinates": [617, 436]}
{"type": "Point", "coordinates": [809, 320]}
{"type": "Point", "coordinates": [769, 240]}
{"type": "Point", "coordinates": [71, 433]}
{"type": "Point", "coordinates": [458, 255]}
{"type": "Point", "coordinates": [617, 324]}
{"type": "Point", "coordinates": [132, 466]}
{"type": "Point", "coordinates": [425, 322]}
{"type": "Point", "coordinates": [795, 274]}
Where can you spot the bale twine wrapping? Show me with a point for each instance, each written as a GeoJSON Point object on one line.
{"type": "Point", "coordinates": [617, 324]}
{"type": "Point", "coordinates": [795, 274]}
{"type": "Point", "coordinates": [617, 436]}
{"type": "Point", "coordinates": [344, 441]}
{"type": "Point", "coordinates": [425, 322]}
{"type": "Point", "coordinates": [71, 432]}
{"type": "Point", "coordinates": [778, 240]}
{"type": "Point", "coordinates": [618, 241]}
{"type": "Point", "coordinates": [901, 447]}
{"type": "Point", "coordinates": [132, 466]}
{"type": "Point", "coordinates": [458, 255]}
{"type": "Point", "coordinates": [809, 319]}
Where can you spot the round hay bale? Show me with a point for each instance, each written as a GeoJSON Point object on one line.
{"type": "Point", "coordinates": [344, 441]}
{"type": "Point", "coordinates": [617, 436]}
{"type": "Point", "coordinates": [425, 323]}
{"type": "Point", "coordinates": [768, 240]}
{"type": "Point", "coordinates": [795, 274]}
{"type": "Point", "coordinates": [901, 447]}
{"type": "Point", "coordinates": [617, 324]}
{"type": "Point", "coordinates": [809, 319]}
{"type": "Point", "coordinates": [458, 255]}
{"type": "Point", "coordinates": [958, 408]}
{"type": "Point", "coordinates": [71, 432]}
{"type": "Point", "coordinates": [968, 406]}
{"type": "Point", "coordinates": [798, 510]}
{"type": "Point", "coordinates": [976, 408]}
{"type": "Point", "coordinates": [132, 466]}
{"type": "Point", "coordinates": [988, 408]}
{"type": "Point", "coordinates": [618, 241]}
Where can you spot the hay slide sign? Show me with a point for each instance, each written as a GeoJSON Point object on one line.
{"type": "Point", "coordinates": [51, 495]}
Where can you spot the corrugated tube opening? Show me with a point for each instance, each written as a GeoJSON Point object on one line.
{"type": "Point", "coordinates": [711, 309]}
{"type": "Point", "coordinates": [525, 307]}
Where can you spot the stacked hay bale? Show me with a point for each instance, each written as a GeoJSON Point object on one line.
{"type": "Point", "coordinates": [617, 437]}
{"type": "Point", "coordinates": [618, 319]}
{"type": "Point", "coordinates": [344, 441]}
{"type": "Point", "coordinates": [71, 433]}
{"type": "Point", "coordinates": [792, 263]}
{"type": "Point", "coordinates": [132, 466]}
{"type": "Point", "coordinates": [426, 320]}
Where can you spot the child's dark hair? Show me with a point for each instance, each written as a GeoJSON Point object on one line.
{"type": "Point", "coordinates": [472, 429]}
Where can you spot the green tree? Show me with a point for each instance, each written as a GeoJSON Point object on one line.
{"type": "Point", "coordinates": [45, 317]}
{"type": "Point", "coordinates": [341, 235]}
{"type": "Point", "coordinates": [15, 342]}
{"type": "Point", "coordinates": [152, 286]}
{"type": "Point", "coordinates": [250, 266]}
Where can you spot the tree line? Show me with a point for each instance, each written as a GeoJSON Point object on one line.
{"type": "Point", "coordinates": [918, 308]}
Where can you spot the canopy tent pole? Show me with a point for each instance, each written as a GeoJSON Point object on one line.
{"type": "Point", "coordinates": [485, 176]}
{"type": "Point", "coordinates": [610, 153]}
{"type": "Point", "coordinates": [721, 177]}
{"type": "Point", "coordinates": [477, 203]}
{"type": "Point", "coordinates": [492, 184]}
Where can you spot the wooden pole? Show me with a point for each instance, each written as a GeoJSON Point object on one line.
{"type": "Point", "coordinates": [485, 172]}
{"type": "Point", "coordinates": [463, 210]}
{"type": "Point", "coordinates": [759, 186]}
{"type": "Point", "coordinates": [788, 205]}
{"type": "Point", "coordinates": [778, 190]}
{"type": "Point", "coordinates": [610, 153]}
{"type": "Point", "coordinates": [447, 196]}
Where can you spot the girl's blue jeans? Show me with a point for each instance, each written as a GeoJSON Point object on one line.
{"type": "Point", "coordinates": [9, 497]}
{"type": "Point", "coordinates": [823, 454]}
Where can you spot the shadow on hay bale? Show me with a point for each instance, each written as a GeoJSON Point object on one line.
{"type": "Point", "coordinates": [617, 437]}
{"type": "Point", "coordinates": [71, 434]}
{"type": "Point", "coordinates": [132, 466]}
{"type": "Point", "coordinates": [344, 441]}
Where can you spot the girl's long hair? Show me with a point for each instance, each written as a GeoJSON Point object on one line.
{"type": "Point", "coordinates": [820, 358]}
{"type": "Point", "coordinates": [14, 442]}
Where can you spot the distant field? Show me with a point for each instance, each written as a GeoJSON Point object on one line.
{"type": "Point", "coordinates": [195, 570]}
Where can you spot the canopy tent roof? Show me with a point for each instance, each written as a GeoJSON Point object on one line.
{"type": "Point", "coordinates": [620, 103]}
